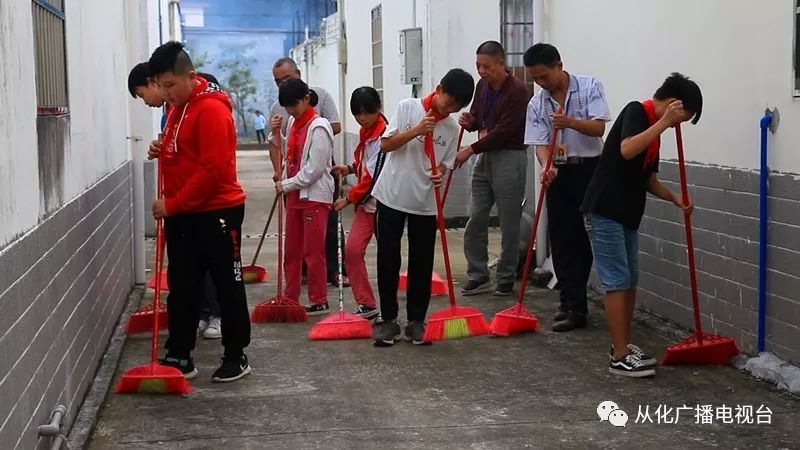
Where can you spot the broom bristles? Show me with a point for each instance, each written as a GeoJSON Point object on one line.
{"type": "Point", "coordinates": [341, 326]}
{"type": "Point", "coordinates": [513, 320]}
{"type": "Point", "coordinates": [712, 350]}
{"type": "Point", "coordinates": [254, 274]}
{"type": "Point", "coordinates": [279, 309]}
{"type": "Point", "coordinates": [455, 322]}
{"type": "Point", "coordinates": [141, 321]}
{"type": "Point", "coordinates": [153, 379]}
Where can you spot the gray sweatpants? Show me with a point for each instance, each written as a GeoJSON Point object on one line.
{"type": "Point", "coordinates": [498, 178]}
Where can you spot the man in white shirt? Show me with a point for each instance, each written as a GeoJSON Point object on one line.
{"type": "Point", "coordinates": [260, 124]}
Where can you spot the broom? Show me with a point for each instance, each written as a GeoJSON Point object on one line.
{"type": "Point", "coordinates": [279, 308]}
{"type": "Point", "coordinates": [517, 319]}
{"type": "Point", "coordinates": [453, 322]}
{"type": "Point", "coordinates": [154, 378]}
{"type": "Point", "coordinates": [142, 320]}
{"type": "Point", "coordinates": [701, 347]}
{"type": "Point", "coordinates": [254, 273]}
{"type": "Point", "coordinates": [342, 325]}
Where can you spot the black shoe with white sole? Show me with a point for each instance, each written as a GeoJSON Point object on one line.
{"type": "Point", "coordinates": [476, 287]}
{"type": "Point", "coordinates": [386, 333]}
{"type": "Point", "coordinates": [504, 289]}
{"type": "Point", "coordinates": [366, 312]}
{"type": "Point", "coordinates": [630, 366]}
{"type": "Point", "coordinates": [186, 366]}
{"type": "Point", "coordinates": [316, 309]}
{"type": "Point", "coordinates": [639, 353]}
{"type": "Point", "coordinates": [231, 369]}
{"type": "Point", "coordinates": [415, 333]}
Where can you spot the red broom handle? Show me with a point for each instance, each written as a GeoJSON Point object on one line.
{"type": "Point", "coordinates": [159, 269]}
{"type": "Point", "coordinates": [535, 226]}
{"type": "Point", "coordinates": [450, 175]}
{"type": "Point", "coordinates": [443, 236]}
{"type": "Point", "coordinates": [280, 231]}
{"type": "Point", "coordinates": [687, 220]}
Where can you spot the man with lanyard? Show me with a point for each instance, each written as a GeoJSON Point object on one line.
{"type": "Point", "coordinates": [498, 114]}
{"type": "Point", "coordinates": [282, 70]}
{"type": "Point", "coordinates": [581, 123]}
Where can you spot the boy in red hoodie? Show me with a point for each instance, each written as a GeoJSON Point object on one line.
{"type": "Point", "coordinates": [203, 210]}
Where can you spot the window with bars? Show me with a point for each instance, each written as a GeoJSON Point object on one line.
{"type": "Point", "coordinates": [516, 34]}
{"type": "Point", "coordinates": [377, 50]}
{"type": "Point", "coordinates": [51, 58]}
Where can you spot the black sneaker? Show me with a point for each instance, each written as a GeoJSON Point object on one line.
{"type": "Point", "coordinates": [476, 287]}
{"type": "Point", "coordinates": [630, 366]}
{"type": "Point", "coordinates": [231, 369]}
{"type": "Point", "coordinates": [366, 312]}
{"type": "Point", "coordinates": [415, 333]}
{"type": "Point", "coordinates": [572, 322]}
{"type": "Point", "coordinates": [562, 314]}
{"type": "Point", "coordinates": [315, 309]}
{"type": "Point", "coordinates": [504, 290]}
{"type": "Point", "coordinates": [639, 353]}
{"type": "Point", "coordinates": [186, 366]}
{"type": "Point", "coordinates": [386, 333]}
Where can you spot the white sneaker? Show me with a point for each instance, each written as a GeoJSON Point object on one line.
{"type": "Point", "coordinates": [214, 330]}
{"type": "Point", "coordinates": [202, 326]}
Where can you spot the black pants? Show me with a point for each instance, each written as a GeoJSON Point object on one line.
{"type": "Point", "coordinates": [572, 252]}
{"type": "Point", "coordinates": [210, 305]}
{"type": "Point", "coordinates": [421, 245]}
{"type": "Point", "coordinates": [203, 243]}
{"type": "Point", "coordinates": [261, 136]}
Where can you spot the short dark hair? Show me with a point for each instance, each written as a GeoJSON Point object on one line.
{"type": "Point", "coordinates": [458, 84]}
{"type": "Point", "coordinates": [258, 112]}
{"type": "Point", "coordinates": [208, 77]}
{"type": "Point", "coordinates": [138, 77]}
{"type": "Point", "coordinates": [293, 90]}
{"type": "Point", "coordinates": [170, 57]}
{"type": "Point", "coordinates": [491, 48]}
{"type": "Point", "coordinates": [286, 60]}
{"type": "Point", "coordinates": [679, 86]}
{"type": "Point", "coordinates": [365, 100]}
{"type": "Point", "coordinates": [541, 53]}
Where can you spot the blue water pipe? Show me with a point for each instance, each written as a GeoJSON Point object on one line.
{"type": "Point", "coordinates": [766, 125]}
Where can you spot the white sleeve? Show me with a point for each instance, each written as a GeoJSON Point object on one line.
{"type": "Point", "coordinates": [537, 124]}
{"type": "Point", "coordinates": [398, 121]}
{"type": "Point", "coordinates": [320, 153]}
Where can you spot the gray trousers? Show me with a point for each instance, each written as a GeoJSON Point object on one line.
{"type": "Point", "coordinates": [498, 178]}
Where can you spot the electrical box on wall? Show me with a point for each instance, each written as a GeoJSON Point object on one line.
{"type": "Point", "coordinates": [411, 56]}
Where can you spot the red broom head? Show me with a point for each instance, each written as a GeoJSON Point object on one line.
{"type": "Point", "coordinates": [153, 379]}
{"type": "Point", "coordinates": [454, 322]}
{"type": "Point", "coordinates": [279, 309]}
{"type": "Point", "coordinates": [141, 321]}
{"type": "Point", "coordinates": [710, 350]}
{"type": "Point", "coordinates": [164, 284]}
{"type": "Point", "coordinates": [513, 320]}
{"type": "Point", "coordinates": [341, 326]}
{"type": "Point", "coordinates": [254, 274]}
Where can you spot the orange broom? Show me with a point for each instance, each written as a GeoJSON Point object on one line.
{"type": "Point", "coordinates": [254, 273]}
{"type": "Point", "coordinates": [342, 325]}
{"type": "Point", "coordinates": [154, 378]}
{"type": "Point", "coordinates": [453, 322]}
{"type": "Point", "coordinates": [142, 320]}
{"type": "Point", "coordinates": [280, 308]}
{"type": "Point", "coordinates": [701, 347]}
{"type": "Point", "coordinates": [517, 319]}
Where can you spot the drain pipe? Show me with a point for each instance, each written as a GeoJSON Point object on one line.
{"type": "Point", "coordinates": [769, 122]}
{"type": "Point", "coordinates": [53, 428]}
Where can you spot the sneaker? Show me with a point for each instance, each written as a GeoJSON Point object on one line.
{"type": "Point", "coordinates": [476, 287]}
{"type": "Point", "coordinates": [386, 333]}
{"type": "Point", "coordinates": [562, 314]}
{"type": "Point", "coordinates": [504, 290]}
{"type": "Point", "coordinates": [231, 369]}
{"type": "Point", "coordinates": [572, 322]}
{"type": "Point", "coordinates": [639, 353]}
{"type": "Point", "coordinates": [415, 333]}
{"type": "Point", "coordinates": [186, 366]}
{"type": "Point", "coordinates": [202, 326]}
{"type": "Point", "coordinates": [214, 329]}
{"type": "Point", "coordinates": [366, 312]}
{"type": "Point", "coordinates": [316, 309]}
{"type": "Point", "coordinates": [630, 366]}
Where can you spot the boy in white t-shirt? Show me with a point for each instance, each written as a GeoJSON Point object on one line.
{"type": "Point", "coordinates": [405, 192]}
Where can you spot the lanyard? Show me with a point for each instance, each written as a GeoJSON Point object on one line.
{"type": "Point", "coordinates": [487, 107]}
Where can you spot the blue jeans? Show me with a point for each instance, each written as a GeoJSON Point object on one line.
{"type": "Point", "coordinates": [616, 252]}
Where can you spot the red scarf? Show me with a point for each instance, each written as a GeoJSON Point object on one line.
{"type": "Point", "coordinates": [292, 149]}
{"type": "Point", "coordinates": [427, 104]}
{"type": "Point", "coordinates": [366, 135]}
{"type": "Point", "coordinates": [652, 149]}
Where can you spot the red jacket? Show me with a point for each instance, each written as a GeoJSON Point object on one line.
{"type": "Point", "coordinates": [199, 154]}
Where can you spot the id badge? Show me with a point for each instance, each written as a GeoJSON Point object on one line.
{"type": "Point", "coordinates": [482, 133]}
{"type": "Point", "coordinates": [561, 154]}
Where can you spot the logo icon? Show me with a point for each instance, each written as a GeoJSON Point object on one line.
{"type": "Point", "coordinates": [610, 411]}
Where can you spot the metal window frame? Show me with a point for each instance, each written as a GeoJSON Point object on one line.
{"type": "Point", "coordinates": [505, 21]}
{"type": "Point", "coordinates": [795, 50]}
{"type": "Point", "coordinates": [51, 8]}
{"type": "Point", "coordinates": [373, 42]}
{"type": "Point", "coordinates": [60, 14]}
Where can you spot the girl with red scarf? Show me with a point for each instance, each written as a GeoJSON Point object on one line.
{"type": "Point", "coordinates": [307, 186]}
{"type": "Point", "coordinates": [365, 104]}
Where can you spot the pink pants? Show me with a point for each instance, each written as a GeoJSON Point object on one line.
{"type": "Point", "coordinates": [356, 247]}
{"type": "Point", "coordinates": [305, 240]}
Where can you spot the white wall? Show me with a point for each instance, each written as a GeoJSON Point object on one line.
{"type": "Point", "coordinates": [19, 176]}
{"type": "Point", "coordinates": [739, 52]}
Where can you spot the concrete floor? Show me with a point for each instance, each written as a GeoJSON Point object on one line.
{"type": "Point", "coordinates": [538, 390]}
